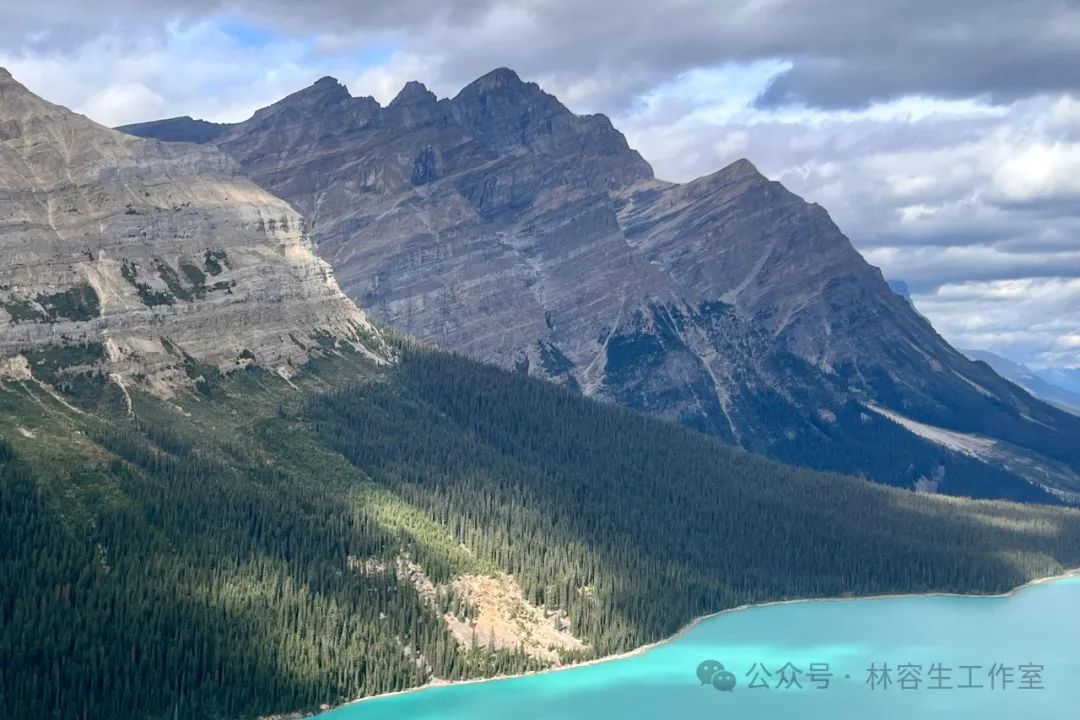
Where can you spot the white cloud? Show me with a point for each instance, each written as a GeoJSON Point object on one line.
{"type": "Point", "coordinates": [1040, 171]}
{"type": "Point", "coordinates": [910, 185]}
{"type": "Point", "coordinates": [1065, 116]}
{"type": "Point", "coordinates": [1034, 319]}
{"type": "Point", "coordinates": [198, 69]}
{"type": "Point", "coordinates": [383, 82]}
{"type": "Point", "coordinates": [122, 103]}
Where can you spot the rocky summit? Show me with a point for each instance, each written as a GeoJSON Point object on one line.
{"type": "Point", "coordinates": [148, 261]}
{"type": "Point", "coordinates": [502, 225]}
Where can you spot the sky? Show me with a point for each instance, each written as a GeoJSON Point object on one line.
{"type": "Point", "coordinates": [943, 137]}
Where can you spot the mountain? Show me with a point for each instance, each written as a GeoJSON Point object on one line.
{"type": "Point", "coordinates": [239, 500]}
{"type": "Point", "coordinates": [178, 129]}
{"type": "Point", "coordinates": [901, 288]}
{"type": "Point", "coordinates": [1029, 379]}
{"type": "Point", "coordinates": [147, 261]}
{"type": "Point", "coordinates": [1068, 378]}
{"type": "Point", "coordinates": [499, 224]}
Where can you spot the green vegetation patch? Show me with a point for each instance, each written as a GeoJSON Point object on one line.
{"type": "Point", "coordinates": [79, 303]}
{"type": "Point", "coordinates": [189, 284]}
{"type": "Point", "coordinates": [195, 277]}
{"type": "Point", "coordinates": [215, 261]}
{"type": "Point", "coordinates": [53, 363]}
{"type": "Point", "coordinates": [76, 477]}
{"type": "Point", "coordinates": [149, 296]}
{"type": "Point", "coordinates": [556, 365]}
{"type": "Point", "coordinates": [22, 310]}
{"type": "Point", "coordinates": [176, 287]}
{"type": "Point", "coordinates": [75, 370]}
{"type": "Point", "coordinates": [430, 543]}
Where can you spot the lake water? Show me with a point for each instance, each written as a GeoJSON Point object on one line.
{"type": "Point", "coordinates": [998, 643]}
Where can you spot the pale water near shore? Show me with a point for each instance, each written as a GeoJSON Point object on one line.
{"type": "Point", "coordinates": [1038, 625]}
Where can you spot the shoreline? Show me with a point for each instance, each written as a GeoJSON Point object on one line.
{"type": "Point", "coordinates": [435, 684]}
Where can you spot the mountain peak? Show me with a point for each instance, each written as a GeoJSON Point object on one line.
{"type": "Point", "coordinates": [177, 129]}
{"type": "Point", "coordinates": [498, 79]}
{"type": "Point", "coordinates": [741, 172]}
{"type": "Point", "coordinates": [415, 106]}
{"type": "Point", "coordinates": [322, 96]}
{"type": "Point", "coordinates": [742, 168]}
{"type": "Point", "coordinates": [9, 84]}
{"type": "Point", "coordinates": [326, 86]}
{"type": "Point", "coordinates": [413, 91]}
{"type": "Point", "coordinates": [325, 89]}
{"type": "Point", "coordinates": [18, 105]}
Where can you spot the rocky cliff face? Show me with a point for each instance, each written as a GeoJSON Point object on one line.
{"type": "Point", "coordinates": [146, 260]}
{"type": "Point", "coordinates": [500, 224]}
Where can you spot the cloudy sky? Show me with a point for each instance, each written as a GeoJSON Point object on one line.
{"type": "Point", "coordinates": [944, 137]}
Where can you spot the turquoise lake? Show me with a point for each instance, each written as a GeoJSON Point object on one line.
{"type": "Point", "coordinates": [1000, 638]}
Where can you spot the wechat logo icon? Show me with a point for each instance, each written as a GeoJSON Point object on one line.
{"type": "Point", "coordinates": [713, 673]}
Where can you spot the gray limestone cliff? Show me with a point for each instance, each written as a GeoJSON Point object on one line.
{"type": "Point", "coordinates": [142, 258]}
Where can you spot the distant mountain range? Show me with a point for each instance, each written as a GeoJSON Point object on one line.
{"type": "Point", "coordinates": [499, 224]}
{"type": "Point", "coordinates": [1034, 381]}
{"type": "Point", "coordinates": [178, 129]}
{"type": "Point", "coordinates": [1068, 378]}
{"type": "Point", "coordinates": [1059, 387]}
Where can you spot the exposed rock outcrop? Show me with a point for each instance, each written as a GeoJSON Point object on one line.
{"type": "Point", "coordinates": [143, 257]}
{"type": "Point", "coordinates": [500, 224]}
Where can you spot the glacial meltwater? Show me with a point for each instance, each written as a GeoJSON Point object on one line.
{"type": "Point", "coordinates": [907, 658]}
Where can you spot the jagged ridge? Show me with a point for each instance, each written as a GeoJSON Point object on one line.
{"type": "Point", "coordinates": [500, 224]}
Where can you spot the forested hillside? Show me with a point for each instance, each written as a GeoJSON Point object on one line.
{"type": "Point", "coordinates": [222, 554]}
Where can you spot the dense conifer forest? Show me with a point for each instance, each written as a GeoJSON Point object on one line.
{"type": "Point", "coordinates": [198, 558]}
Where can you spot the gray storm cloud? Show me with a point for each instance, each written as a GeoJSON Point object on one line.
{"type": "Point", "coordinates": [843, 54]}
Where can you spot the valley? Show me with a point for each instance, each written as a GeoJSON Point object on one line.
{"type": "Point", "coordinates": [200, 555]}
